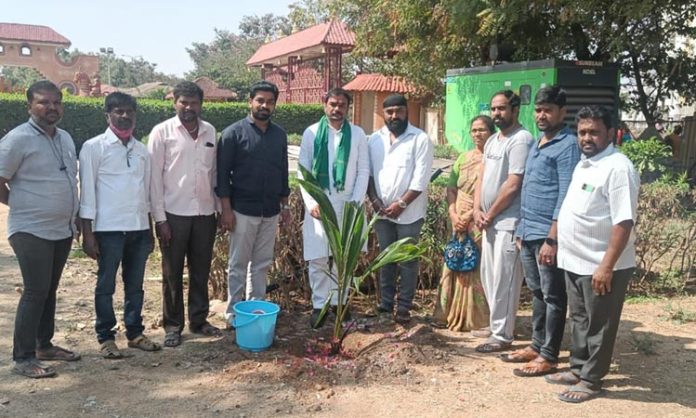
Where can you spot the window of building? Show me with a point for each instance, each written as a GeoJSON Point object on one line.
{"type": "Point", "coordinates": [25, 50]}
{"type": "Point", "coordinates": [2, 49]}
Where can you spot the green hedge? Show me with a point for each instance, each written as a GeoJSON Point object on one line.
{"type": "Point", "coordinates": [84, 116]}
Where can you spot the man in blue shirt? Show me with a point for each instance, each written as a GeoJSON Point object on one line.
{"type": "Point", "coordinates": [549, 168]}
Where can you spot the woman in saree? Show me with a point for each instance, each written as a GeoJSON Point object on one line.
{"type": "Point", "coordinates": [461, 304]}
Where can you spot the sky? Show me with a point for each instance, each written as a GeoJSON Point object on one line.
{"type": "Point", "coordinates": [159, 31]}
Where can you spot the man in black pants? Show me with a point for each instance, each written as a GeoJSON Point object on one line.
{"type": "Point", "coordinates": [596, 250]}
{"type": "Point", "coordinates": [183, 154]}
{"type": "Point", "coordinates": [39, 164]}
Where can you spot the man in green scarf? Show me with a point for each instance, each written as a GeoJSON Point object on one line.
{"type": "Point", "coordinates": [335, 151]}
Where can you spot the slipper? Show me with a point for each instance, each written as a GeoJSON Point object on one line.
{"type": "Point", "coordinates": [172, 339]}
{"type": "Point", "coordinates": [537, 367]}
{"type": "Point", "coordinates": [57, 353]}
{"type": "Point", "coordinates": [578, 393]}
{"type": "Point", "coordinates": [144, 343]}
{"type": "Point", "coordinates": [110, 351]}
{"type": "Point", "coordinates": [523, 355]}
{"type": "Point", "coordinates": [33, 368]}
{"type": "Point", "coordinates": [493, 346]}
{"type": "Point", "coordinates": [562, 378]}
{"type": "Point", "coordinates": [208, 330]}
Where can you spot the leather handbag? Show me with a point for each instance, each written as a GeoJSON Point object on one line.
{"type": "Point", "coordinates": [461, 255]}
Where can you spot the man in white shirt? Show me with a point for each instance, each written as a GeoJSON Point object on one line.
{"type": "Point", "coordinates": [114, 207]}
{"type": "Point", "coordinates": [335, 151]}
{"type": "Point", "coordinates": [401, 157]}
{"type": "Point", "coordinates": [496, 213]}
{"type": "Point", "coordinates": [183, 154]}
{"type": "Point", "coordinates": [596, 251]}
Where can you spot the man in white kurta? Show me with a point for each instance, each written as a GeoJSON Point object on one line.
{"type": "Point", "coordinates": [316, 247]}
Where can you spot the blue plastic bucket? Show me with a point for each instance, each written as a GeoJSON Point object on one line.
{"type": "Point", "coordinates": [254, 323]}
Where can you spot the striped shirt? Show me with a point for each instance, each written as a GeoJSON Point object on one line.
{"type": "Point", "coordinates": [603, 192]}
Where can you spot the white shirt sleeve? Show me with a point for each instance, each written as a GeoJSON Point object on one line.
{"type": "Point", "coordinates": [423, 163]}
{"type": "Point", "coordinates": [363, 174]}
{"type": "Point", "coordinates": [89, 166]}
{"type": "Point", "coordinates": [622, 195]}
{"type": "Point", "coordinates": [156, 149]}
{"type": "Point", "coordinates": [305, 160]}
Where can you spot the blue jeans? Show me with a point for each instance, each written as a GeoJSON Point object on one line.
{"type": "Point", "coordinates": [387, 233]}
{"type": "Point", "coordinates": [129, 250]}
{"type": "Point", "coordinates": [547, 284]}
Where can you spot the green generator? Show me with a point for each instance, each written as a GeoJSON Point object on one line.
{"type": "Point", "coordinates": [469, 91]}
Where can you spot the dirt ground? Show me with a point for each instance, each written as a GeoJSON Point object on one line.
{"type": "Point", "coordinates": [414, 372]}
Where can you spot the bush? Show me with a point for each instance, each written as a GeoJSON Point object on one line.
{"type": "Point", "coordinates": [651, 157]}
{"type": "Point", "coordinates": [665, 233]}
{"type": "Point", "coordinates": [84, 116]}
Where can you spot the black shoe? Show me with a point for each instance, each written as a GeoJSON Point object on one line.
{"type": "Point", "coordinates": [402, 316]}
{"type": "Point", "coordinates": [316, 321]}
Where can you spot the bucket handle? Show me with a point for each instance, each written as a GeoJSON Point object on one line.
{"type": "Point", "coordinates": [243, 324]}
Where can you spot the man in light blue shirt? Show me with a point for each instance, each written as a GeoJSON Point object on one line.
{"type": "Point", "coordinates": [548, 171]}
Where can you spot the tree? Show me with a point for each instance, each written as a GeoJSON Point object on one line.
{"type": "Point", "coordinates": [347, 237]}
{"type": "Point", "coordinates": [264, 27]}
{"type": "Point", "coordinates": [19, 77]}
{"type": "Point", "coordinates": [224, 61]}
{"type": "Point", "coordinates": [424, 38]}
{"type": "Point", "coordinates": [130, 73]}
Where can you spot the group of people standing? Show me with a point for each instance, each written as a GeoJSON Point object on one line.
{"type": "Point", "coordinates": [557, 213]}
{"type": "Point", "coordinates": [183, 186]}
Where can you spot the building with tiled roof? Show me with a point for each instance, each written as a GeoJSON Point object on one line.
{"type": "Point", "coordinates": [307, 63]}
{"type": "Point", "coordinates": [370, 90]}
{"type": "Point", "coordinates": [37, 46]}
{"type": "Point", "coordinates": [32, 33]}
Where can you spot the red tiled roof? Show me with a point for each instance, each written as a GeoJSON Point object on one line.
{"type": "Point", "coordinates": [328, 33]}
{"type": "Point", "coordinates": [31, 33]}
{"type": "Point", "coordinates": [380, 82]}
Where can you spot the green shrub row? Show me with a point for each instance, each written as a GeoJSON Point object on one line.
{"type": "Point", "coordinates": [84, 116]}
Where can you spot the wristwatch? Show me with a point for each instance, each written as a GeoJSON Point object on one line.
{"type": "Point", "coordinates": [550, 241]}
{"type": "Point", "coordinates": [402, 203]}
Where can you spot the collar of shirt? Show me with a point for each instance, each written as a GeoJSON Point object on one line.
{"type": "Point", "coordinates": [111, 138]}
{"type": "Point", "coordinates": [40, 130]}
{"type": "Point", "coordinates": [253, 123]}
{"type": "Point", "coordinates": [385, 133]}
{"type": "Point", "coordinates": [560, 135]}
{"type": "Point", "coordinates": [595, 159]}
{"type": "Point", "coordinates": [201, 126]}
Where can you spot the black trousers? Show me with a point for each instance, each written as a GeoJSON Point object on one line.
{"type": "Point", "coordinates": [41, 262]}
{"type": "Point", "coordinates": [594, 322]}
{"type": "Point", "coordinates": [192, 240]}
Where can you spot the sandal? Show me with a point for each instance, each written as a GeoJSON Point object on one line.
{"type": "Point", "coordinates": [578, 393]}
{"type": "Point", "coordinates": [537, 367]}
{"type": "Point", "coordinates": [562, 378]}
{"type": "Point", "coordinates": [33, 368]}
{"type": "Point", "coordinates": [172, 339]}
{"type": "Point", "coordinates": [208, 330]}
{"type": "Point", "coordinates": [493, 346]}
{"type": "Point", "coordinates": [144, 343]}
{"type": "Point", "coordinates": [110, 351]}
{"type": "Point", "coordinates": [523, 355]}
{"type": "Point", "coordinates": [57, 353]}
